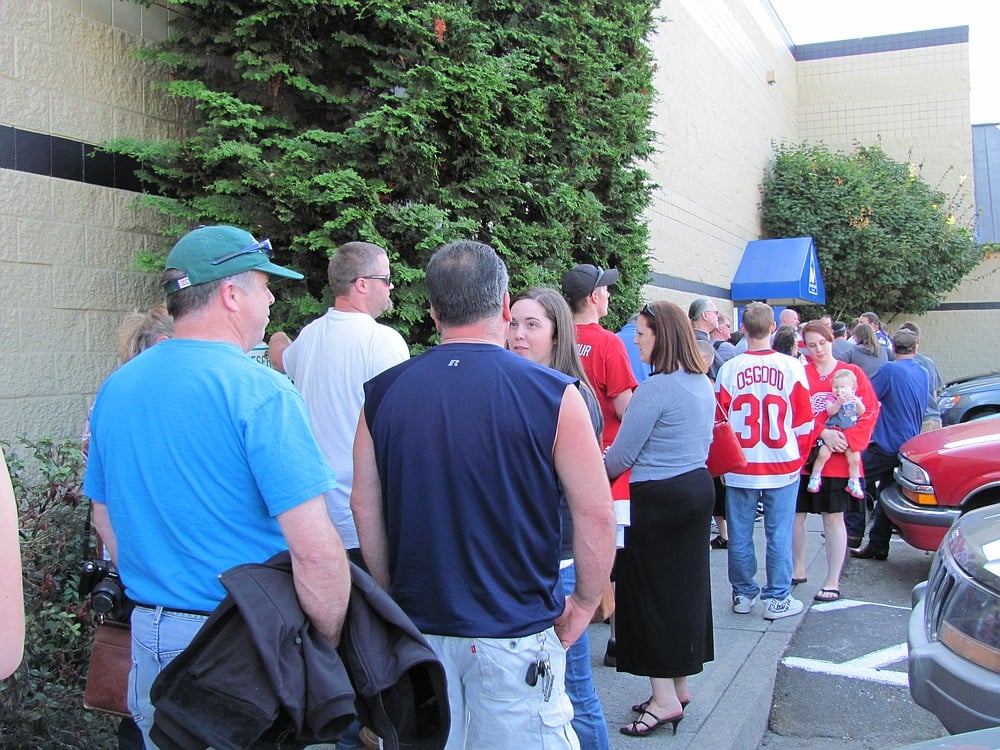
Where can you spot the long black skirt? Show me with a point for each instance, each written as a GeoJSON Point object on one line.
{"type": "Point", "coordinates": [663, 591]}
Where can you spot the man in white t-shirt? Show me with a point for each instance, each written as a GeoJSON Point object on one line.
{"type": "Point", "coordinates": [332, 359]}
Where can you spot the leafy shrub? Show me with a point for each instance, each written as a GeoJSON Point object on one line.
{"type": "Point", "coordinates": [886, 240]}
{"type": "Point", "coordinates": [41, 704]}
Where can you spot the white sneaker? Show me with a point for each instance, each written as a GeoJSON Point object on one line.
{"type": "Point", "coordinates": [742, 604]}
{"type": "Point", "coordinates": [778, 608]}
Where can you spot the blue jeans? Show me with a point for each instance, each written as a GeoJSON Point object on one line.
{"type": "Point", "coordinates": [157, 638]}
{"type": "Point", "coordinates": [878, 471]}
{"type": "Point", "coordinates": [350, 740]}
{"type": "Point", "coordinates": [588, 715]}
{"type": "Point", "coordinates": [779, 516]}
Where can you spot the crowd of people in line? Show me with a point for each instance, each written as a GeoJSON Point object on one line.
{"type": "Point", "coordinates": [476, 482]}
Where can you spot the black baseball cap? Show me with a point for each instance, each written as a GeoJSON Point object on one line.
{"type": "Point", "coordinates": [582, 280]}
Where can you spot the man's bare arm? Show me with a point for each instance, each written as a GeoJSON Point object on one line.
{"type": "Point", "coordinates": [319, 565]}
{"type": "Point", "coordinates": [11, 587]}
{"type": "Point", "coordinates": [276, 346]}
{"type": "Point", "coordinates": [366, 505]}
{"type": "Point", "coordinates": [581, 470]}
{"type": "Point", "coordinates": [620, 402]}
{"type": "Point", "coordinates": [102, 524]}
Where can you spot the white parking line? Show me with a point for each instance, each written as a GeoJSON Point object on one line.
{"type": "Point", "coordinates": [881, 658]}
{"type": "Point", "coordinates": [865, 667]}
{"type": "Point", "coordinates": [847, 604]}
{"type": "Point", "coordinates": [857, 669]}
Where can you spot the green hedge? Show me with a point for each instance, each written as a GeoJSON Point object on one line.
{"type": "Point", "coordinates": [41, 704]}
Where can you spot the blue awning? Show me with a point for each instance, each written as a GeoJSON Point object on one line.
{"type": "Point", "coordinates": [779, 272]}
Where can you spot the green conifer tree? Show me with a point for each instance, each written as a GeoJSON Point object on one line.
{"type": "Point", "coordinates": [523, 124]}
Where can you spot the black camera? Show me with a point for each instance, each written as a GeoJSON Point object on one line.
{"type": "Point", "coordinates": [99, 578]}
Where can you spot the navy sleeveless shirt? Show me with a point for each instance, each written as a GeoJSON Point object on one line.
{"type": "Point", "coordinates": [463, 438]}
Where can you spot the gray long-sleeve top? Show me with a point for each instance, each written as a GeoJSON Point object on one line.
{"type": "Point", "coordinates": [870, 363]}
{"type": "Point", "coordinates": [667, 428]}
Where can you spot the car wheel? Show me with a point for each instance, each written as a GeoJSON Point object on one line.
{"type": "Point", "coordinates": [990, 497]}
{"type": "Point", "coordinates": [981, 413]}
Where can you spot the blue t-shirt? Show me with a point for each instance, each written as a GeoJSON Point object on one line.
{"type": "Point", "coordinates": [195, 449]}
{"type": "Point", "coordinates": [902, 387]}
{"type": "Point", "coordinates": [463, 438]}
{"type": "Point", "coordinates": [640, 369]}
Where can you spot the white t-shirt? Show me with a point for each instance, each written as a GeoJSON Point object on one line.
{"type": "Point", "coordinates": [329, 363]}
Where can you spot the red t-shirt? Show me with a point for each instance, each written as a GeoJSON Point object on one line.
{"type": "Point", "coordinates": [605, 361]}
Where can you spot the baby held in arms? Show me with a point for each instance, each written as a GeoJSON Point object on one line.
{"type": "Point", "coordinates": [843, 407]}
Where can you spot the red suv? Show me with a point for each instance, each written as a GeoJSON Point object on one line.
{"type": "Point", "coordinates": [943, 474]}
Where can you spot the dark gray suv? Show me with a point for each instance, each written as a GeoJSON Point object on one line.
{"type": "Point", "coordinates": [970, 398]}
{"type": "Point", "coordinates": [954, 629]}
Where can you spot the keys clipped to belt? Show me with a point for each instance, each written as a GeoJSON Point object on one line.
{"type": "Point", "coordinates": [541, 667]}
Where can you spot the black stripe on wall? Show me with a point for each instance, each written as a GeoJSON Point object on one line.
{"type": "Point", "coordinates": [965, 306]}
{"type": "Point", "coordinates": [677, 284]}
{"type": "Point", "coordinates": [52, 156]}
{"type": "Point", "coordinates": [665, 281]}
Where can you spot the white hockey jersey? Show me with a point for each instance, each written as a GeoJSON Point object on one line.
{"type": "Point", "coordinates": [766, 396]}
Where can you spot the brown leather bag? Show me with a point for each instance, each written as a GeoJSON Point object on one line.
{"type": "Point", "coordinates": [110, 664]}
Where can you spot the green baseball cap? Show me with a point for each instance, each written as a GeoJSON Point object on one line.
{"type": "Point", "coordinates": [211, 253]}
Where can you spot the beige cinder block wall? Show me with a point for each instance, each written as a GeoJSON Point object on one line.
{"type": "Point", "coordinates": [915, 100]}
{"type": "Point", "coordinates": [716, 117]}
{"type": "Point", "coordinates": [67, 246]}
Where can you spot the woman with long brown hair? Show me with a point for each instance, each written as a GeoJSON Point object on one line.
{"type": "Point", "coordinates": [832, 499]}
{"type": "Point", "coordinates": [663, 590]}
{"type": "Point", "coordinates": [867, 353]}
{"type": "Point", "coordinates": [541, 329]}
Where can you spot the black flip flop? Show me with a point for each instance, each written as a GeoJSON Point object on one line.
{"type": "Point", "coordinates": [834, 595]}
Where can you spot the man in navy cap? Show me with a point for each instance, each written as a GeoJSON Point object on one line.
{"type": "Point", "coordinates": [201, 459]}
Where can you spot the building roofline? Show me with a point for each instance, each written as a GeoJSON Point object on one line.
{"type": "Point", "coordinates": [877, 44]}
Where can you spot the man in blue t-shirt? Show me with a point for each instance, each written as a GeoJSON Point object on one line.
{"type": "Point", "coordinates": [902, 387]}
{"type": "Point", "coordinates": [201, 459]}
{"type": "Point", "coordinates": [640, 369]}
{"type": "Point", "coordinates": [459, 462]}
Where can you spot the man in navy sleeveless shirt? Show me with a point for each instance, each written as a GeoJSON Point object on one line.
{"type": "Point", "coordinates": [460, 457]}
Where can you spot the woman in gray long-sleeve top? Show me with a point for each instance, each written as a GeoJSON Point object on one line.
{"type": "Point", "coordinates": [867, 353]}
{"type": "Point", "coordinates": [663, 589]}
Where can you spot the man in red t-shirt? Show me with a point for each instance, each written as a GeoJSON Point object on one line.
{"type": "Point", "coordinates": [603, 354]}
{"type": "Point", "coordinates": [605, 361]}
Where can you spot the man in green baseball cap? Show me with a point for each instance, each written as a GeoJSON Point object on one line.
{"type": "Point", "coordinates": [202, 459]}
{"type": "Point", "coordinates": [201, 263]}
{"type": "Point", "coordinates": [212, 253]}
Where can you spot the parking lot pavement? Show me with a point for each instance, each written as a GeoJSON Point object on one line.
{"type": "Point", "coordinates": [748, 685]}
{"type": "Point", "coordinates": [843, 683]}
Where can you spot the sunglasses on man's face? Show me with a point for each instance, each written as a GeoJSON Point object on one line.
{"type": "Point", "coordinates": [384, 277]}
